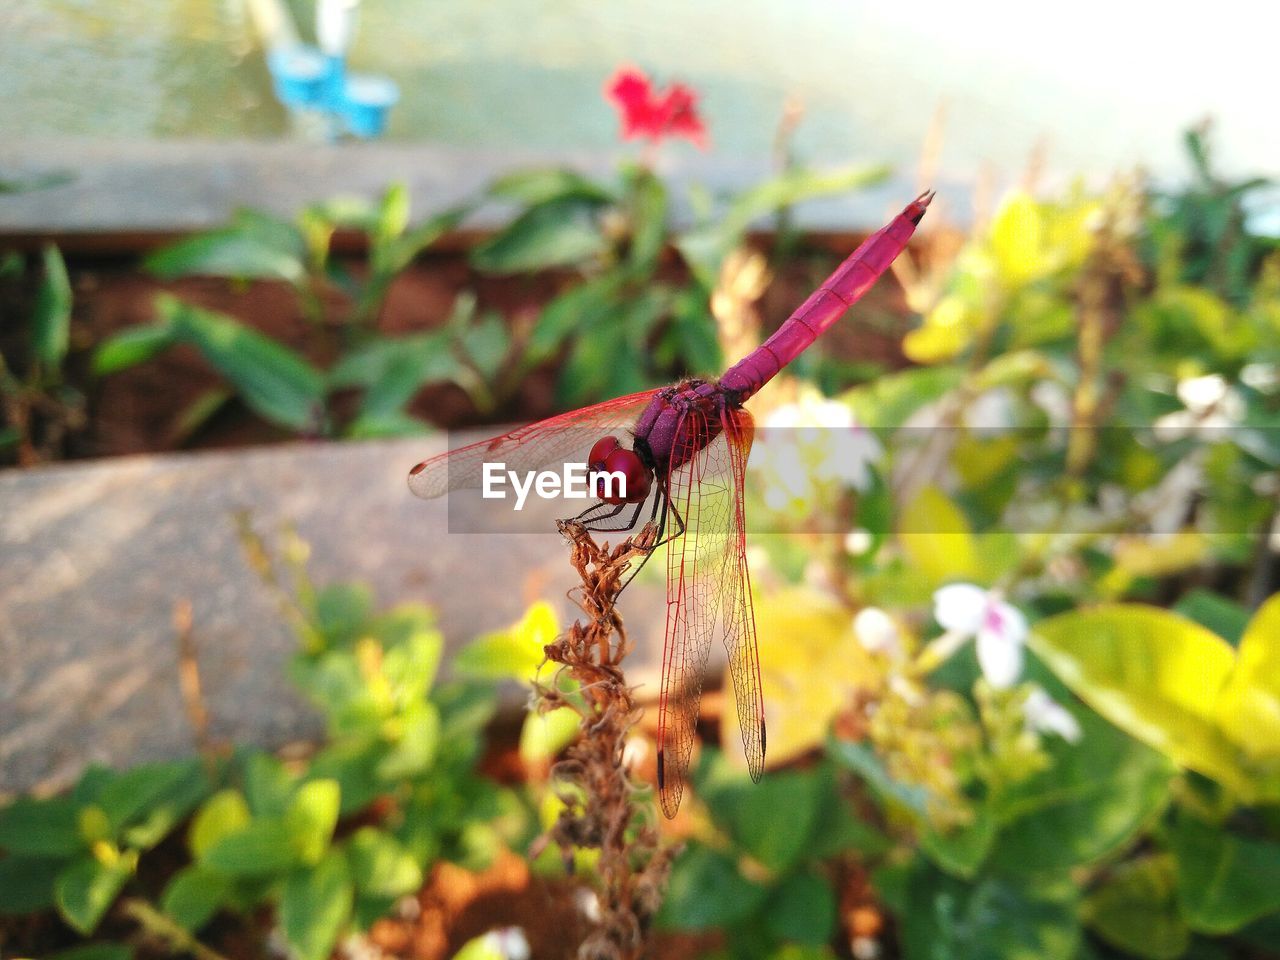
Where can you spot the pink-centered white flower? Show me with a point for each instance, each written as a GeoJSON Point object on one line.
{"type": "Point", "coordinates": [999, 630]}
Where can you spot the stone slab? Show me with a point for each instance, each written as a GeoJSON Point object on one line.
{"type": "Point", "coordinates": [94, 557]}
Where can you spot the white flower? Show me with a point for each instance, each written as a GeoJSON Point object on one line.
{"type": "Point", "coordinates": [1043, 714]}
{"type": "Point", "coordinates": [965, 610]}
{"type": "Point", "coordinates": [1212, 407]}
{"type": "Point", "coordinates": [877, 632]}
{"type": "Point", "coordinates": [991, 411]}
{"type": "Point", "coordinates": [508, 942]}
{"type": "Point", "coordinates": [858, 542]}
{"type": "Point", "coordinates": [813, 440]}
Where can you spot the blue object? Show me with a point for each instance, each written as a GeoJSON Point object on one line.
{"type": "Point", "coordinates": [368, 101]}
{"type": "Point", "coordinates": [306, 79]}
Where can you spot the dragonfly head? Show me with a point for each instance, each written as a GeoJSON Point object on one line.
{"type": "Point", "coordinates": [609, 456]}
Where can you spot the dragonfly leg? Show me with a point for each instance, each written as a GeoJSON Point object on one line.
{"type": "Point", "coordinates": [591, 516]}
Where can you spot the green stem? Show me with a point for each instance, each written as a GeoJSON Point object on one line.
{"type": "Point", "coordinates": [156, 924]}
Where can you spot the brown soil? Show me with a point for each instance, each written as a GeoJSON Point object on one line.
{"type": "Point", "coordinates": [138, 410]}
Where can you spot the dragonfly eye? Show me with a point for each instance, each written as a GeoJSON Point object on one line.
{"type": "Point", "coordinates": [600, 452]}
{"type": "Point", "coordinates": [636, 475]}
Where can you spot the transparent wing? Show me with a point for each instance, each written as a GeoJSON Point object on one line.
{"type": "Point", "coordinates": [735, 598]}
{"type": "Point", "coordinates": [707, 593]}
{"type": "Point", "coordinates": [529, 447]}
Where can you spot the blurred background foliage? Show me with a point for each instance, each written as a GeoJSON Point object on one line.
{"type": "Point", "coordinates": [1020, 639]}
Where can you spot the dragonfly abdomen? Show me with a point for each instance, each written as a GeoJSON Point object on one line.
{"type": "Point", "coordinates": [854, 277]}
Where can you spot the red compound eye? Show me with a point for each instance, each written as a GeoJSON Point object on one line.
{"type": "Point", "coordinates": [600, 452]}
{"type": "Point", "coordinates": [635, 474]}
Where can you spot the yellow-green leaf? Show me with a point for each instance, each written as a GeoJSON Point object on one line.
{"type": "Point", "coordinates": [811, 664]}
{"type": "Point", "coordinates": [514, 653]}
{"type": "Point", "coordinates": [1154, 674]}
{"type": "Point", "coordinates": [1249, 709]}
{"type": "Point", "coordinates": [946, 331]}
{"type": "Point", "coordinates": [311, 817]}
{"type": "Point", "coordinates": [224, 813]}
{"type": "Point", "coordinates": [545, 734]}
{"type": "Point", "coordinates": [1017, 240]}
{"type": "Point", "coordinates": [936, 538]}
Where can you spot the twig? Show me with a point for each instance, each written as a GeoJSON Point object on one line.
{"type": "Point", "coordinates": [599, 812]}
{"type": "Point", "coordinates": [160, 927]}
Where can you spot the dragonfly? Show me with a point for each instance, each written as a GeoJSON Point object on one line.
{"type": "Point", "coordinates": [682, 450]}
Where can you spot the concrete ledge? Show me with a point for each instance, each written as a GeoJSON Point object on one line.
{"type": "Point", "coordinates": [168, 187]}
{"type": "Point", "coordinates": [96, 556]}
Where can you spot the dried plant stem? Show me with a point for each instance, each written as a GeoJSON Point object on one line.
{"type": "Point", "coordinates": [597, 789]}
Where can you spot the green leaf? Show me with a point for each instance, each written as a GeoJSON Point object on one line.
{"type": "Point", "coordinates": [706, 891]}
{"type": "Point", "coordinates": [394, 370]}
{"type": "Point", "coordinates": [260, 848]}
{"type": "Point", "coordinates": [153, 798]}
{"type": "Point", "coordinates": [311, 817]}
{"type": "Point", "coordinates": [888, 401]}
{"type": "Point", "coordinates": [803, 910]}
{"type": "Point", "coordinates": [51, 322]}
{"type": "Point", "coordinates": [194, 895]}
{"type": "Point", "coordinates": [1094, 800]}
{"type": "Point", "coordinates": [268, 786]}
{"type": "Point", "coordinates": [1224, 882]}
{"type": "Point", "coordinates": [342, 611]}
{"type": "Point", "coordinates": [198, 412]}
{"type": "Point", "coordinates": [553, 234]}
{"type": "Point", "coordinates": [392, 217]}
{"type": "Point", "coordinates": [749, 812]}
{"type": "Point", "coordinates": [278, 384]}
{"type": "Point", "coordinates": [544, 735]}
{"type": "Point", "coordinates": [1224, 617]}
{"type": "Point", "coordinates": [315, 906]}
{"type": "Point", "coordinates": [415, 747]}
{"type": "Point", "coordinates": [574, 312]}
{"type": "Point", "coordinates": [223, 814]}
{"type": "Point", "coordinates": [533, 187]}
{"type": "Point", "coordinates": [96, 951]}
{"type": "Point", "coordinates": [380, 866]}
{"type": "Point", "coordinates": [648, 207]}
{"type": "Point", "coordinates": [1135, 911]}
{"type": "Point", "coordinates": [26, 883]}
{"type": "Point", "coordinates": [86, 889]}
{"type": "Point", "coordinates": [1152, 673]}
{"type": "Point", "coordinates": [480, 948]}
{"type": "Point", "coordinates": [41, 828]}
{"type": "Point", "coordinates": [511, 654]}
{"type": "Point", "coordinates": [962, 850]}
{"type": "Point", "coordinates": [951, 919]}
{"type": "Point", "coordinates": [862, 760]}
{"type": "Point", "coordinates": [254, 246]}
{"type": "Point", "coordinates": [397, 254]}
{"type": "Point", "coordinates": [485, 344]}
{"type": "Point", "coordinates": [130, 347]}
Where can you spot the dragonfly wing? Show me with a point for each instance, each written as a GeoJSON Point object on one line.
{"type": "Point", "coordinates": [535, 445]}
{"type": "Point", "coordinates": [705, 591]}
{"type": "Point", "coordinates": [735, 598]}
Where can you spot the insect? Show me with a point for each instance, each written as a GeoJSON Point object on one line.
{"type": "Point", "coordinates": [683, 451]}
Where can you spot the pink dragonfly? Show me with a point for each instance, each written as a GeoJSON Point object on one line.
{"type": "Point", "coordinates": [687, 459]}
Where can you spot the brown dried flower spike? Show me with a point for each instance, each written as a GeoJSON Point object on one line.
{"type": "Point", "coordinates": [599, 795]}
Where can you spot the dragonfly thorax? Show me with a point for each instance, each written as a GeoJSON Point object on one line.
{"type": "Point", "coordinates": [609, 456]}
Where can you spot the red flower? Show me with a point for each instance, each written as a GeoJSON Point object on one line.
{"type": "Point", "coordinates": [651, 114]}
